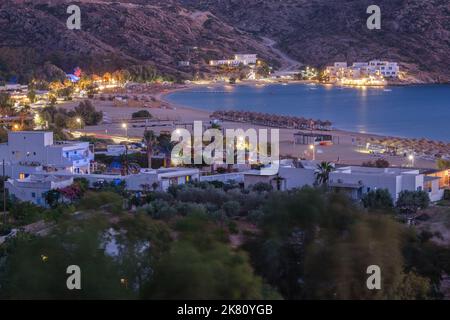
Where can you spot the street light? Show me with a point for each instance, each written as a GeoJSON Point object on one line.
{"type": "Point", "coordinates": [78, 120]}
{"type": "Point", "coordinates": [125, 126]}
{"type": "Point", "coordinates": [313, 149]}
{"type": "Point", "coordinates": [411, 158]}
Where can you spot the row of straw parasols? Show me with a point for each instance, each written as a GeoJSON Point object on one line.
{"type": "Point", "coordinates": [273, 120]}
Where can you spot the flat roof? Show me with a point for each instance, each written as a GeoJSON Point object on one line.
{"type": "Point", "coordinates": [378, 171]}
{"type": "Point", "coordinates": [429, 178]}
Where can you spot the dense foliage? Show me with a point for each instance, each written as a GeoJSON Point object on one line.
{"type": "Point", "coordinates": [220, 241]}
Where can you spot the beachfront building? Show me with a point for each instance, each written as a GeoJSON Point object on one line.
{"type": "Point", "coordinates": [28, 152]}
{"type": "Point", "coordinates": [387, 69]}
{"type": "Point", "coordinates": [354, 180]}
{"type": "Point", "coordinates": [373, 72]}
{"type": "Point", "coordinates": [291, 174]}
{"type": "Point", "coordinates": [244, 59]}
{"type": "Point", "coordinates": [357, 181]}
{"type": "Point", "coordinates": [35, 187]}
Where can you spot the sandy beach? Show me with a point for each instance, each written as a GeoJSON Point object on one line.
{"type": "Point", "coordinates": [168, 116]}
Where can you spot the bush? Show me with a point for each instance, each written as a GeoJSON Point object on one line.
{"type": "Point", "coordinates": [141, 114]}
{"type": "Point", "coordinates": [26, 212]}
{"type": "Point", "coordinates": [447, 194]}
{"type": "Point", "coordinates": [378, 199]}
{"type": "Point", "coordinates": [231, 208]}
{"type": "Point", "coordinates": [160, 209]}
{"type": "Point", "coordinates": [261, 187]}
{"type": "Point", "coordinates": [87, 112]}
{"type": "Point", "coordinates": [411, 201]}
{"type": "Point", "coordinates": [379, 163]}
{"type": "Point", "coordinates": [107, 199]}
{"type": "Point", "coordinates": [5, 229]}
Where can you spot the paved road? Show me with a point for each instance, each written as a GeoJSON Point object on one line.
{"type": "Point", "coordinates": [289, 65]}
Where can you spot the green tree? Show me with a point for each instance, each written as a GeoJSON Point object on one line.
{"type": "Point", "coordinates": [379, 199]}
{"type": "Point", "coordinates": [323, 172]}
{"type": "Point", "coordinates": [443, 164]}
{"type": "Point", "coordinates": [31, 95]}
{"type": "Point", "coordinates": [200, 266]}
{"type": "Point", "coordinates": [86, 111]}
{"type": "Point", "coordinates": [411, 201]}
{"type": "Point", "coordinates": [141, 114]}
{"type": "Point", "coordinates": [36, 268]}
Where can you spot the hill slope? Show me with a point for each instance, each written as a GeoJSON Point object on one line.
{"type": "Point", "coordinates": [121, 33]}
{"type": "Point", "coordinates": [115, 35]}
{"type": "Point", "coordinates": [414, 32]}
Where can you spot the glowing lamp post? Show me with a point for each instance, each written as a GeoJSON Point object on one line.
{"type": "Point", "coordinates": [411, 159]}
{"type": "Point", "coordinates": [125, 126]}
{"type": "Point", "coordinates": [78, 120]}
{"type": "Point", "coordinates": [313, 150]}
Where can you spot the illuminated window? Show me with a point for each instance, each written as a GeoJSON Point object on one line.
{"type": "Point", "coordinates": [21, 176]}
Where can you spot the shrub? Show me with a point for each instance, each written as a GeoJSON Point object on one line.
{"type": "Point", "coordinates": [107, 199]}
{"type": "Point", "coordinates": [261, 187]}
{"type": "Point", "coordinates": [378, 199]}
{"type": "Point", "coordinates": [411, 201]}
{"type": "Point", "coordinates": [231, 208]}
{"type": "Point", "coordinates": [141, 114]}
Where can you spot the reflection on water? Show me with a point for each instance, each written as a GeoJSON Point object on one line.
{"type": "Point", "coordinates": [413, 111]}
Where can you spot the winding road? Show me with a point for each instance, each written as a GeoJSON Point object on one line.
{"type": "Point", "coordinates": [289, 65]}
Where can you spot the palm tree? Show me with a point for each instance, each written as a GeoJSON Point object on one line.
{"type": "Point", "coordinates": [150, 140]}
{"type": "Point", "coordinates": [323, 172]}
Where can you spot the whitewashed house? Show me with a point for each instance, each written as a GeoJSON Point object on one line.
{"type": "Point", "coordinates": [246, 58]}
{"type": "Point", "coordinates": [34, 187]}
{"type": "Point", "coordinates": [360, 180]}
{"type": "Point", "coordinates": [387, 69]}
{"type": "Point", "coordinates": [28, 152]}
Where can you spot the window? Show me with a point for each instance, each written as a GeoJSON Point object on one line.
{"type": "Point", "coordinates": [33, 195]}
{"type": "Point", "coordinates": [21, 176]}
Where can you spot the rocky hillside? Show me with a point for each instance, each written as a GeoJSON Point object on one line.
{"type": "Point", "coordinates": [115, 35]}
{"type": "Point", "coordinates": [413, 32]}
{"type": "Point", "coordinates": [121, 33]}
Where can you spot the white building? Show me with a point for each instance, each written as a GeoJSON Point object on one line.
{"type": "Point", "coordinates": [386, 68]}
{"type": "Point", "coordinates": [162, 178]}
{"type": "Point", "coordinates": [28, 152]}
{"type": "Point", "coordinates": [34, 187]}
{"type": "Point", "coordinates": [354, 180]}
{"type": "Point", "coordinates": [289, 175]}
{"type": "Point", "coordinates": [360, 70]}
{"type": "Point", "coordinates": [246, 58]}
{"type": "Point", "coordinates": [360, 180]}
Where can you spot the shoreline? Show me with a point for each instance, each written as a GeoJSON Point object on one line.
{"type": "Point", "coordinates": [348, 148]}
{"type": "Point", "coordinates": [162, 96]}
